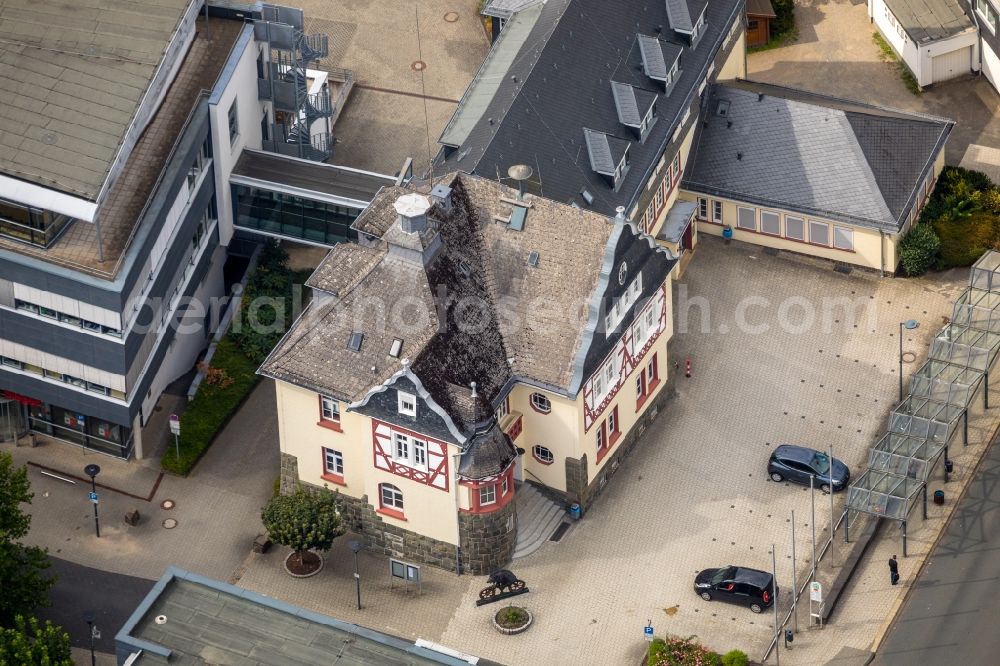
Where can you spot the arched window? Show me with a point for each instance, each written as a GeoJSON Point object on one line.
{"type": "Point", "coordinates": [542, 454]}
{"type": "Point", "coordinates": [390, 496]}
{"type": "Point", "coordinates": [540, 403]}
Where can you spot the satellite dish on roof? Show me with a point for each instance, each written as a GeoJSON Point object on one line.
{"type": "Point", "coordinates": [520, 173]}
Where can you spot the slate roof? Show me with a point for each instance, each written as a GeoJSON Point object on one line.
{"type": "Point", "coordinates": [813, 154]}
{"type": "Point", "coordinates": [930, 20]}
{"type": "Point", "coordinates": [373, 290]}
{"type": "Point", "coordinates": [760, 8]}
{"type": "Point", "coordinates": [73, 74]}
{"type": "Point", "coordinates": [557, 84]}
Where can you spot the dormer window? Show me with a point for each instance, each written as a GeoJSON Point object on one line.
{"type": "Point", "coordinates": [406, 403]}
{"type": "Point", "coordinates": [608, 155]}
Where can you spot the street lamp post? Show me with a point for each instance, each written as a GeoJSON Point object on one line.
{"type": "Point", "coordinates": [92, 471]}
{"type": "Point", "coordinates": [93, 633]}
{"type": "Point", "coordinates": [356, 547]}
{"type": "Point", "coordinates": [909, 325]}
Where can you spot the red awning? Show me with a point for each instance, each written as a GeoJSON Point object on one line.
{"type": "Point", "coordinates": [23, 399]}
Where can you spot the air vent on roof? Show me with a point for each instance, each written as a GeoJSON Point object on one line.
{"type": "Point", "coordinates": [587, 196]}
{"type": "Point", "coordinates": [533, 259]}
{"type": "Point", "coordinates": [722, 109]}
{"type": "Point", "coordinates": [354, 344]}
{"type": "Point", "coordinates": [396, 348]}
{"type": "Point", "coordinates": [464, 268]}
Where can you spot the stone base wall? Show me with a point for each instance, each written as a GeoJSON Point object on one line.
{"type": "Point", "coordinates": [577, 488]}
{"type": "Point", "coordinates": [360, 517]}
{"type": "Point", "coordinates": [487, 539]}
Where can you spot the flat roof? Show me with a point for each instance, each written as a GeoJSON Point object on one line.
{"type": "Point", "coordinates": [302, 176]}
{"type": "Point", "coordinates": [120, 213]}
{"type": "Point", "coordinates": [190, 619]}
{"type": "Point", "coordinates": [930, 20]}
{"type": "Point", "coordinates": [74, 75]}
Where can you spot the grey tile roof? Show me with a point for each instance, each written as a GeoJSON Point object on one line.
{"type": "Point", "coordinates": [537, 338]}
{"type": "Point", "coordinates": [599, 151]}
{"type": "Point", "coordinates": [560, 86]}
{"type": "Point", "coordinates": [814, 154]}
{"type": "Point", "coordinates": [679, 16]}
{"type": "Point", "coordinates": [632, 103]}
{"type": "Point", "coordinates": [488, 453]}
{"type": "Point", "coordinates": [760, 8]}
{"type": "Point", "coordinates": [653, 61]}
{"type": "Point", "coordinates": [930, 20]}
{"type": "Point", "coordinates": [73, 75]}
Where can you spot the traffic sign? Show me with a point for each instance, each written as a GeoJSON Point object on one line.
{"type": "Point", "coordinates": [647, 632]}
{"type": "Point", "coordinates": [175, 424]}
{"type": "Point", "coordinates": [93, 497]}
{"type": "Point", "coordinates": [816, 592]}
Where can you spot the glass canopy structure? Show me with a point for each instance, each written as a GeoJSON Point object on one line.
{"type": "Point", "coordinates": [985, 273]}
{"type": "Point", "coordinates": [926, 419]}
{"type": "Point", "coordinates": [979, 309]}
{"type": "Point", "coordinates": [965, 346]}
{"type": "Point", "coordinates": [905, 455]}
{"type": "Point", "coordinates": [946, 382]}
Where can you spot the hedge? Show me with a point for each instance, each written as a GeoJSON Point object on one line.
{"type": "Point", "coordinates": [680, 652]}
{"type": "Point", "coordinates": [230, 377]}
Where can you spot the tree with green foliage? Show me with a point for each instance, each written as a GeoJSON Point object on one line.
{"type": "Point", "coordinates": [29, 643]}
{"type": "Point", "coordinates": [22, 585]}
{"type": "Point", "coordinates": [303, 521]}
{"type": "Point", "coordinates": [784, 20]}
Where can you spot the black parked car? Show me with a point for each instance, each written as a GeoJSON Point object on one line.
{"type": "Point", "coordinates": [797, 464]}
{"type": "Point", "coordinates": [737, 585]}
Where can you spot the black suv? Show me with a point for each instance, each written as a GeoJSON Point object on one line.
{"type": "Point", "coordinates": [737, 585]}
{"type": "Point", "coordinates": [797, 464]}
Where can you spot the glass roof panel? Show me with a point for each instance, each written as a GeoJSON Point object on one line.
{"type": "Point", "coordinates": [985, 273]}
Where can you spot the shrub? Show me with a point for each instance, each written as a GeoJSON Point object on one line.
{"type": "Point", "coordinates": [216, 401]}
{"type": "Point", "coordinates": [303, 521]}
{"type": "Point", "coordinates": [918, 250]}
{"type": "Point", "coordinates": [32, 643]}
{"type": "Point", "coordinates": [785, 16]}
{"type": "Point", "coordinates": [679, 652]}
{"type": "Point", "coordinates": [963, 240]}
{"type": "Point", "coordinates": [512, 616]}
{"type": "Point", "coordinates": [735, 658]}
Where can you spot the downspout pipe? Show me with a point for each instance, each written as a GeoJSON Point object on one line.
{"type": "Point", "coordinates": [881, 252]}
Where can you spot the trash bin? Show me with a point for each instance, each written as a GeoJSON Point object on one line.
{"type": "Point", "coordinates": [727, 233]}
{"type": "Point", "coordinates": [939, 497]}
{"type": "Point", "coordinates": [949, 466]}
{"type": "Point", "coordinates": [574, 511]}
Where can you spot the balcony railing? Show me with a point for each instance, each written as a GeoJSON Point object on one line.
{"type": "Point", "coordinates": [34, 235]}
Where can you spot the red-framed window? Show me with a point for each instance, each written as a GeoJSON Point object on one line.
{"type": "Point", "coordinates": [329, 413]}
{"type": "Point", "coordinates": [491, 495]}
{"type": "Point", "coordinates": [390, 501]}
{"type": "Point", "coordinates": [646, 381]}
{"type": "Point", "coordinates": [602, 436]}
{"type": "Point", "coordinates": [333, 466]}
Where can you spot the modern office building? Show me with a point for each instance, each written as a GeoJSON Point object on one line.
{"type": "Point", "coordinates": [132, 143]}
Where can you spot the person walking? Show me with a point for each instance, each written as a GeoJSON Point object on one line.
{"type": "Point", "coordinates": [893, 570]}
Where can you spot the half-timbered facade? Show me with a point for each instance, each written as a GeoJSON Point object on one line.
{"type": "Point", "coordinates": [452, 355]}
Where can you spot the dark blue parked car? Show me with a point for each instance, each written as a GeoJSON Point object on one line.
{"type": "Point", "coordinates": [797, 464]}
{"type": "Point", "coordinates": [737, 585]}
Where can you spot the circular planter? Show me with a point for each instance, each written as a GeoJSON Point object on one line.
{"type": "Point", "coordinates": [312, 565]}
{"type": "Point", "coordinates": [511, 629]}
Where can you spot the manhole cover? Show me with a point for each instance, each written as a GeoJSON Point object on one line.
{"type": "Point", "coordinates": [170, 523]}
{"type": "Point", "coordinates": [167, 504]}
{"type": "Point", "coordinates": [49, 138]}
{"type": "Point", "coordinates": [451, 17]}
{"type": "Point", "coordinates": [418, 65]}
{"type": "Point", "coordinates": [909, 357]}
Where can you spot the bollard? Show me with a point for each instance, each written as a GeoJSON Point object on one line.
{"type": "Point", "coordinates": [687, 368]}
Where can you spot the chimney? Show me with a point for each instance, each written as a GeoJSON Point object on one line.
{"type": "Point", "coordinates": [472, 385]}
{"type": "Point", "coordinates": [620, 214]}
{"type": "Point", "coordinates": [441, 195]}
{"type": "Point", "coordinates": [411, 211]}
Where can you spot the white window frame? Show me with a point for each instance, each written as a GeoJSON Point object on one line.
{"type": "Point", "coordinates": [400, 447]}
{"type": "Point", "coordinates": [650, 372]}
{"type": "Point", "coordinates": [612, 423]}
{"type": "Point", "coordinates": [702, 208]}
{"type": "Point", "coordinates": [406, 403]}
{"type": "Point", "coordinates": [717, 211]}
{"type": "Point", "coordinates": [777, 220]}
{"type": "Point", "coordinates": [409, 451]}
{"type": "Point", "coordinates": [329, 409]}
{"type": "Point", "coordinates": [490, 492]}
{"type": "Point", "coordinates": [849, 234]}
{"type": "Point", "coordinates": [799, 220]}
{"type": "Point", "coordinates": [543, 453]}
{"type": "Point", "coordinates": [395, 496]}
{"type": "Point", "coordinates": [334, 457]}
{"type": "Point", "coordinates": [506, 485]}
{"type": "Point", "coordinates": [536, 403]}
{"type": "Point", "coordinates": [638, 385]}
{"type": "Point", "coordinates": [602, 437]}
{"type": "Point", "coordinates": [233, 118]}
{"type": "Point", "coordinates": [739, 218]}
{"type": "Point", "coordinates": [818, 223]}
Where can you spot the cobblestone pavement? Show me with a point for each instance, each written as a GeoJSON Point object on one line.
{"type": "Point", "coordinates": [412, 61]}
{"type": "Point", "coordinates": [834, 54]}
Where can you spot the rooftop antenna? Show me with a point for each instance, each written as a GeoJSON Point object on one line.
{"type": "Point", "coordinates": [520, 173]}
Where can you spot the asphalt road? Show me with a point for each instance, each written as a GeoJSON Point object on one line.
{"type": "Point", "coordinates": [78, 589]}
{"type": "Point", "coordinates": [951, 615]}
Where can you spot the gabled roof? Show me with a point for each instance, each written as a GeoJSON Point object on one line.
{"type": "Point", "coordinates": [605, 151]}
{"type": "Point", "coordinates": [927, 21]}
{"type": "Point", "coordinates": [679, 16]}
{"type": "Point", "coordinates": [760, 8]}
{"type": "Point", "coordinates": [523, 320]}
{"type": "Point", "coordinates": [557, 84]}
{"type": "Point", "coordinates": [632, 103]}
{"type": "Point", "coordinates": [814, 154]}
